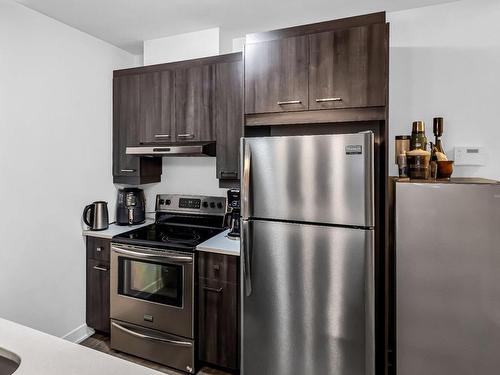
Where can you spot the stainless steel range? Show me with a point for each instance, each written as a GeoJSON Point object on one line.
{"type": "Point", "coordinates": [153, 278]}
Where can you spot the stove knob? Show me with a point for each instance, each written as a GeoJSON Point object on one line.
{"type": "Point", "coordinates": [212, 205]}
{"type": "Point", "coordinates": [167, 202]}
{"type": "Point", "coordinates": [205, 204]}
{"type": "Point", "coordinates": [219, 205]}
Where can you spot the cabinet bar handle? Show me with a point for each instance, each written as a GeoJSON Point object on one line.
{"type": "Point", "coordinates": [290, 102]}
{"type": "Point", "coordinates": [228, 174]}
{"type": "Point", "coordinates": [188, 135]}
{"type": "Point", "coordinates": [215, 290]}
{"type": "Point", "coordinates": [186, 344]}
{"type": "Point", "coordinates": [162, 135]}
{"type": "Point", "coordinates": [323, 100]}
{"type": "Point", "coordinates": [100, 268]}
{"type": "Point", "coordinates": [128, 170]}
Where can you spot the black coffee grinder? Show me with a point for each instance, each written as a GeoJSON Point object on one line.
{"type": "Point", "coordinates": [233, 212]}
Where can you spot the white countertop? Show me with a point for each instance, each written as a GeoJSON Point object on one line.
{"type": "Point", "coordinates": [221, 244]}
{"type": "Point", "coordinates": [114, 230]}
{"type": "Point", "coordinates": [43, 354]}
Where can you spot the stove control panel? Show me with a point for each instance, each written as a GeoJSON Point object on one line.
{"type": "Point", "coordinates": [190, 203]}
{"type": "Point", "coordinates": [204, 205]}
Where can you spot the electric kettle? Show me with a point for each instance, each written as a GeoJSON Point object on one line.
{"type": "Point", "coordinates": [95, 215]}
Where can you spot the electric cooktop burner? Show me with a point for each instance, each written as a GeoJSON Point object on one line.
{"type": "Point", "coordinates": [189, 237]}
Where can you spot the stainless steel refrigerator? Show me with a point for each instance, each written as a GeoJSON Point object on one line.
{"type": "Point", "coordinates": [448, 278]}
{"type": "Point", "coordinates": [308, 255]}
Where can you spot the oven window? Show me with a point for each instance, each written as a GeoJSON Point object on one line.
{"type": "Point", "coordinates": [150, 281]}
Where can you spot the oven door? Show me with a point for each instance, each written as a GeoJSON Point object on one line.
{"type": "Point", "coordinates": [153, 289]}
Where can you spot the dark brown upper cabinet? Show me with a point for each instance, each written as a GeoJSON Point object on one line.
{"type": "Point", "coordinates": [348, 68]}
{"type": "Point", "coordinates": [198, 100]}
{"type": "Point", "coordinates": [127, 115]}
{"type": "Point", "coordinates": [194, 101]}
{"type": "Point", "coordinates": [276, 75]}
{"type": "Point", "coordinates": [157, 109]}
{"type": "Point", "coordinates": [327, 72]}
{"type": "Point", "coordinates": [228, 117]}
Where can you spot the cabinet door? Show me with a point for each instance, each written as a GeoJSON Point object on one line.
{"type": "Point", "coordinates": [218, 324]}
{"type": "Point", "coordinates": [156, 113]}
{"type": "Point", "coordinates": [125, 125]}
{"type": "Point", "coordinates": [348, 68]}
{"type": "Point", "coordinates": [98, 295]}
{"type": "Point", "coordinates": [129, 109]}
{"type": "Point", "coordinates": [194, 97]}
{"type": "Point", "coordinates": [276, 75]}
{"type": "Point", "coordinates": [228, 118]}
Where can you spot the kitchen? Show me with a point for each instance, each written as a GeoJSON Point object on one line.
{"type": "Point", "coordinates": [57, 92]}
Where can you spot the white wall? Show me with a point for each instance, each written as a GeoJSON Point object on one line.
{"type": "Point", "coordinates": [184, 175]}
{"type": "Point", "coordinates": [182, 47]}
{"type": "Point", "coordinates": [55, 157]}
{"type": "Point", "coordinates": [445, 60]}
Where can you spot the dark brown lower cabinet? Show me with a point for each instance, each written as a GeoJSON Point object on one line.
{"type": "Point", "coordinates": [97, 306]}
{"type": "Point", "coordinates": [218, 310]}
{"type": "Point", "coordinates": [218, 323]}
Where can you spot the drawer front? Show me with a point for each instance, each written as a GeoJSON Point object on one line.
{"type": "Point", "coordinates": [98, 248]}
{"type": "Point", "coordinates": [218, 267]}
{"type": "Point", "coordinates": [156, 346]}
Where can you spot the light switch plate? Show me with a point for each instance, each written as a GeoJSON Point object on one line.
{"type": "Point", "coordinates": [470, 156]}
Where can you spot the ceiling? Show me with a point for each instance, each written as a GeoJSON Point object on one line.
{"type": "Point", "coordinates": [126, 23]}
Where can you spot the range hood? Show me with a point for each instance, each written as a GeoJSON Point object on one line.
{"type": "Point", "coordinates": [193, 149]}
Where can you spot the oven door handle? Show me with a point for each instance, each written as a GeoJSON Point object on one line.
{"type": "Point", "coordinates": [186, 344]}
{"type": "Point", "coordinates": [166, 257]}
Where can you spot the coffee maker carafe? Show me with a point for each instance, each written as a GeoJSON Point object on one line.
{"type": "Point", "coordinates": [234, 211]}
{"type": "Point", "coordinates": [130, 206]}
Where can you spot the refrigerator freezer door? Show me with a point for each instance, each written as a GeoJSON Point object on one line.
{"type": "Point", "coordinates": [316, 179]}
{"type": "Point", "coordinates": [310, 306]}
{"type": "Point", "coordinates": [447, 279]}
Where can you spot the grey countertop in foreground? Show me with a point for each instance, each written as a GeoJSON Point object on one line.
{"type": "Point", "coordinates": [221, 244]}
{"type": "Point", "coordinates": [43, 354]}
{"type": "Point", "coordinates": [114, 230]}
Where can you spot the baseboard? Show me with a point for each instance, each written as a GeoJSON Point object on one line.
{"type": "Point", "coordinates": [79, 334]}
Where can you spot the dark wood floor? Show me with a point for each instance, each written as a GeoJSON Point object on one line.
{"type": "Point", "coordinates": [101, 343]}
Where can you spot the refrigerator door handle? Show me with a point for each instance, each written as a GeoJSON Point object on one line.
{"type": "Point", "coordinates": [245, 196]}
{"type": "Point", "coordinates": [246, 246]}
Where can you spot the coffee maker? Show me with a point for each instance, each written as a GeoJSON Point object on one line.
{"type": "Point", "coordinates": [233, 212]}
{"type": "Point", "coordinates": [130, 206]}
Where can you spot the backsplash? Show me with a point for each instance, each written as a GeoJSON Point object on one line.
{"type": "Point", "coordinates": [185, 175]}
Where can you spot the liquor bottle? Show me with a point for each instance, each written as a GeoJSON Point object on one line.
{"type": "Point", "coordinates": [438, 133]}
